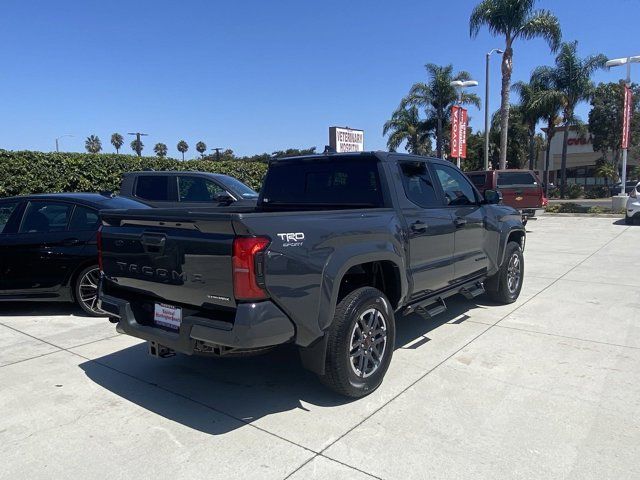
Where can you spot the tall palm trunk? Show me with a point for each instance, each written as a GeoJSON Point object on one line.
{"type": "Point", "coordinates": [563, 164]}
{"type": "Point", "coordinates": [507, 67]}
{"type": "Point", "coordinates": [532, 145]}
{"type": "Point", "coordinates": [439, 134]}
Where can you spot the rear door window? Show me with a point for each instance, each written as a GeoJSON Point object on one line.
{"type": "Point", "coordinates": [516, 179]}
{"type": "Point", "coordinates": [153, 187]}
{"type": "Point", "coordinates": [6, 210]}
{"type": "Point", "coordinates": [417, 184]}
{"type": "Point", "coordinates": [198, 189]}
{"type": "Point", "coordinates": [45, 216]}
{"type": "Point", "coordinates": [84, 219]}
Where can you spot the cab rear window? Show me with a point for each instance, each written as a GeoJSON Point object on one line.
{"type": "Point", "coordinates": [332, 182]}
{"type": "Point", "coordinates": [478, 179]}
{"type": "Point", "coordinates": [516, 179]}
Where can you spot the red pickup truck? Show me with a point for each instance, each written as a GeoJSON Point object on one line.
{"type": "Point", "coordinates": [521, 189]}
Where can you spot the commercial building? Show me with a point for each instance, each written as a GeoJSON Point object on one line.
{"type": "Point", "coordinates": [581, 159]}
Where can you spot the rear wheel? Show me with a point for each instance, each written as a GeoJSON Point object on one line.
{"type": "Point", "coordinates": [505, 286]}
{"type": "Point", "coordinates": [360, 344]}
{"type": "Point", "coordinates": [86, 291]}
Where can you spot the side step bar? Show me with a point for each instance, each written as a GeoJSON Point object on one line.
{"type": "Point", "coordinates": [435, 306]}
{"type": "Point", "coordinates": [472, 291]}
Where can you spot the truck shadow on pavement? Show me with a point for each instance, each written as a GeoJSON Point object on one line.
{"type": "Point", "coordinates": [30, 309]}
{"type": "Point", "coordinates": [183, 388]}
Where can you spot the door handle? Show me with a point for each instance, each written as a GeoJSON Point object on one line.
{"type": "Point", "coordinates": [459, 222]}
{"type": "Point", "coordinates": [68, 242]}
{"type": "Point", "coordinates": [418, 226]}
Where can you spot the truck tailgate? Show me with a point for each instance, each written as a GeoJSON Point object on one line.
{"type": "Point", "coordinates": [185, 262]}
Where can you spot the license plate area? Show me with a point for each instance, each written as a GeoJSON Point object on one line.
{"type": "Point", "coordinates": [167, 316]}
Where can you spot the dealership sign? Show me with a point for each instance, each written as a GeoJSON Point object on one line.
{"type": "Point", "coordinates": [626, 116]}
{"type": "Point", "coordinates": [346, 139]}
{"type": "Point", "coordinates": [459, 122]}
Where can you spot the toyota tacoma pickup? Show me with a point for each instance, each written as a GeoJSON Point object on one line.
{"type": "Point", "coordinates": [337, 248]}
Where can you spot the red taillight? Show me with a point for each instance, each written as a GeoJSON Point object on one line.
{"type": "Point", "coordinates": [248, 268]}
{"type": "Point", "coordinates": [545, 201]}
{"type": "Point", "coordinates": [99, 241]}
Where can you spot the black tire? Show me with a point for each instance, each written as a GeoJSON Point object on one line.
{"type": "Point", "coordinates": [372, 354]}
{"type": "Point", "coordinates": [503, 287]}
{"type": "Point", "coordinates": [81, 291]}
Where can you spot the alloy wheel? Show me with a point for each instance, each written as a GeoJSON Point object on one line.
{"type": "Point", "coordinates": [368, 343]}
{"type": "Point", "coordinates": [88, 290]}
{"type": "Point", "coordinates": [514, 273]}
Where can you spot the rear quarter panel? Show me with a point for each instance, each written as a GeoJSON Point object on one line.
{"type": "Point", "coordinates": [303, 270]}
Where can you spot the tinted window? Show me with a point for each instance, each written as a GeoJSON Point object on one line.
{"type": "Point", "coordinates": [198, 189]}
{"type": "Point", "coordinates": [6, 209]}
{"type": "Point", "coordinates": [417, 184]}
{"type": "Point", "coordinates": [478, 179]}
{"type": "Point", "coordinates": [83, 218]}
{"type": "Point", "coordinates": [332, 182]}
{"type": "Point", "coordinates": [241, 188]}
{"type": "Point", "coordinates": [152, 187]}
{"type": "Point", "coordinates": [44, 216]}
{"type": "Point", "coordinates": [516, 179]}
{"type": "Point", "coordinates": [457, 189]}
{"type": "Point", "coordinates": [121, 202]}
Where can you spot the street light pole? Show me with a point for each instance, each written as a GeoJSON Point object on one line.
{"type": "Point", "coordinates": [616, 63]}
{"type": "Point", "coordinates": [460, 85]}
{"type": "Point", "coordinates": [61, 136]}
{"type": "Point", "coordinates": [486, 108]}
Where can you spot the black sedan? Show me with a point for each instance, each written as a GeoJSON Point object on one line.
{"type": "Point", "coordinates": [48, 248]}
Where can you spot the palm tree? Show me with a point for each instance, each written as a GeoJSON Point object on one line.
{"type": "Point", "coordinates": [405, 125]}
{"type": "Point", "coordinates": [571, 83]}
{"type": "Point", "coordinates": [513, 19]}
{"type": "Point", "coordinates": [437, 96]}
{"type": "Point", "coordinates": [160, 149]}
{"type": "Point", "coordinates": [93, 144]}
{"type": "Point", "coordinates": [201, 147]}
{"type": "Point", "coordinates": [182, 147]}
{"type": "Point", "coordinates": [117, 141]}
{"type": "Point", "coordinates": [137, 146]}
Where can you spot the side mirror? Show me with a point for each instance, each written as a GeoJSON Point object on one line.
{"type": "Point", "coordinates": [224, 198]}
{"type": "Point", "coordinates": [493, 197]}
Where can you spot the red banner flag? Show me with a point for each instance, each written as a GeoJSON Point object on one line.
{"type": "Point", "coordinates": [459, 121]}
{"type": "Point", "coordinates": [626, 116]}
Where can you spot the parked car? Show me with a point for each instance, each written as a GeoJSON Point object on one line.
{"type": "Point", "coordinates": [632, 213]}
{"type": "Point", "coordinates": [616, 188]}
{"type": "Point", "coordinates": [48, 247]}
{"type": "Point", "coordinates": [186, 189]}
{"type": "Point", "coordinates": [337, 247]}
{"type": "Point", "coordinates": [521, 189]}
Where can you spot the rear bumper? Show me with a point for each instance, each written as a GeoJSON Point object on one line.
{"type": "Point", "coordinates": [531, 212]}
{"type": "Point", "coordinates": [256, 325]}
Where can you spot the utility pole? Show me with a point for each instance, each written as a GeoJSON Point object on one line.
{"type": "Point", "coordinates": [62, 136]}
{"type": "Point", "coordinates": [217, 150]}
{"type": "Point", "coordinates": [138, 141]}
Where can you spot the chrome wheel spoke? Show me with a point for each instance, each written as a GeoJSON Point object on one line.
{"type": "Point", "coordinates": [368, 342]}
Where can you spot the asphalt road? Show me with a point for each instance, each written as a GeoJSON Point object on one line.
{"type": "Point", "coordinates": [548, 387]}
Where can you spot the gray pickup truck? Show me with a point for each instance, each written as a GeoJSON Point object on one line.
{"type": "Point", "coordinates": [337, 247]}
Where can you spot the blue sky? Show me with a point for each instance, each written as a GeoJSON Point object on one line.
{"type": "Point", "coordinates": [253, 76]}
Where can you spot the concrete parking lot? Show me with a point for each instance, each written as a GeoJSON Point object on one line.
{"type": "Point", "coordinates": [548, 387]}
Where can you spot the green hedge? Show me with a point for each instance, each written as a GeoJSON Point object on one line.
{"type": "Point", "coordinates": [25, 172]}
